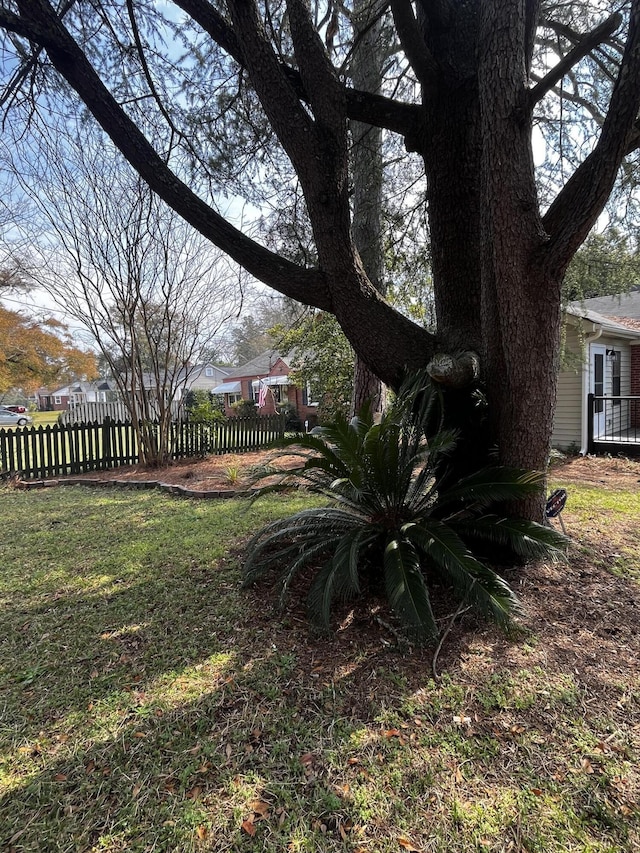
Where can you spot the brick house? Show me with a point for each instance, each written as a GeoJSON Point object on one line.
{"type": "Point", "coordinates": [265, 381]}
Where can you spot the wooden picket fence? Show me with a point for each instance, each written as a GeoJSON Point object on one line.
{"type": "Point", "coordinates": [55, 451]}
{"type": "Point", "coordinates": [88, 413]}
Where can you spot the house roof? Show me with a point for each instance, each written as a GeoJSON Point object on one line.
{"type": "Point", "coordinates": [618, 327]}
{"type": "Point", "coordinates": [626, 321]}
{"type": "Point", "coordinates": [623, 305]}
{"type": "Point", "coordinates": [261, 365]}
{"type": "Point", "coordinates": [195, 370]}
{"type": "Point", "coordinates": [77, 387]}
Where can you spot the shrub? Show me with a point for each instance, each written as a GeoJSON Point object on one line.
{"type": "Point", "coordinates": [388, 522]}
{"type": "Point", "coordinates": [292, 422]}
{"type": "Point", "coordinates": [203, 407]}
{"type": "Point", "coordinates": [244, 408]}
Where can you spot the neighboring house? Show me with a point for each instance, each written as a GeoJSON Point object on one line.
{"type": "Point", "coordinates": [197, 377]}
{"type": "Point", "coordinates": [202, 377]}
{"type": "Point", "coordinates": [74, 394]}
{"type": "Point", "coordinates": [602, 358]}
{"type": "Point", "coordinates": [269, 373]}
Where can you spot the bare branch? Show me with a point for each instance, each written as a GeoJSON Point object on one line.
{"type": "Point", "coordinates": [586, 44]}
{"type": "Point", "coordinates": [580, 202]}
{"type": "Point", "coordinates": [419, 56]}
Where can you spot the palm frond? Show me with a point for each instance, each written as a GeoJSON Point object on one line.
{"type": "Point", "coordinates": [493, 485]}
{"type": "Point", "coordinates": [292, 535]}
{"type": "Point", "coordinates": [338, 578]}
{"type": "Point", "coordinates": [420, 400]}
{"type": "Point", "coordinates": [525, 538]}
{"type": "Point", "coordinates": [406, 589]}
{"type": "Point", "coordinates": [482, 586]}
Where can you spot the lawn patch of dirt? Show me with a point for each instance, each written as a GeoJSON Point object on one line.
{"type": "Point", "coordinates": [609, 472]}
{"type": "Point", "coordinates": [213, 473]}
{"type": "Point", "coordinates": [235, 470]}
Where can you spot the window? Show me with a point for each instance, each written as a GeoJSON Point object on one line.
{"type": "Point", "coordinates": [279, 394]}
{"type": "Point", "coordinates": [233, 398]}
{"type": "Point", "coordinates": [57, 401]}
{"type": "Point", "coordinates": [614, 357]}
{"type": "Point", "coordinates": [308, 397]}
{"type": "Point", "coordinates": [208, 371]}
{"type": "Point", "coordinates": [598, 382]}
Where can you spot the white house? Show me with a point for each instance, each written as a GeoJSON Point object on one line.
{"type": "Point", "coordinates": [602, 358]}
{"type": "Point", "coordinates": [74, 394]}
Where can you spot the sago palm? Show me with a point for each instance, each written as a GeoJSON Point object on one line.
{"type": "Point", "coordinates": [387, 520]}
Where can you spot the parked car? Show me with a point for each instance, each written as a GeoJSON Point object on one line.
{"type": "Point", "coordinates": [19, 409]}
{"type": "Point", "coordinates": [9, 418]}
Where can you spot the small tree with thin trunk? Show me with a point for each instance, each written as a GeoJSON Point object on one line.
{"type": "Point", "coordinates": [151, 291]}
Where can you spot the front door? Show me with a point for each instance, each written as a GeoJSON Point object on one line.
{"type": "Point", "coordinates": [597, 386]}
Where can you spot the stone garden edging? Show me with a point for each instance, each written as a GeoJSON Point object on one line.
{"type": "Point", "coordinates": [170, 488]}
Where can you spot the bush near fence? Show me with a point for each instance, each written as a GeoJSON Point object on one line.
{"type": "Point", "coordinates": [55, 451]}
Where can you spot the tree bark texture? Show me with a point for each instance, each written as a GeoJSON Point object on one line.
{"type": "Point", "coordinates": [367, 172]}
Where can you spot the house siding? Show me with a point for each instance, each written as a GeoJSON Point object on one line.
{"type": "Point", "coordinates": [567, 421]}
{"type": "Point", "coordinates": [635, 384]}
{"type": "Point", "coordinates": [199, 381]}
{"type": "Point", "coordinates": [567, 416]}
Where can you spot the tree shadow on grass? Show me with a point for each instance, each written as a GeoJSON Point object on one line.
{"type": "Point", "coordinates": [261, 743]}
{"type": "Point", "coordinates": [202, 722]}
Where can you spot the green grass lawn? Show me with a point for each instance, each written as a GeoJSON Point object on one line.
{"type": "Point", "coordinates": [147, 703]}
{"type": "Point", "coordinates": [44, 418]}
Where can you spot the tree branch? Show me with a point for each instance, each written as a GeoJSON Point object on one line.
{"type": "Point", "coordinates": [582, 49]}
{"type": "Point", "coordinates": [532, 12]}
{"type": "Point", "coordinates": [314, 139]}
{"type": "Point", "coordinates": [340, 287]}
{"type": "Point", "coordinates": [578, 205]}
{"type": "Point", "coordinates": [384, 112]}
{"type": "Point", "coordinates": [633, 139]}
{"type": "Point", "coordinates": [325, 93]}
{"type": "Point", "coordinates": [39, 22]}
{"type": "Point", "coordinates": [574, 36]}
{"type": "Point", "coordinates": [419, 56]}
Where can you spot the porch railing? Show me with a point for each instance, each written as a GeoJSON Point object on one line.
{"type": "Point", "coordinates": [614, 423]}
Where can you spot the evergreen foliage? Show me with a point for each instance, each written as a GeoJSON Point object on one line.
{"type": "Point", "coordinates": [388, 524]}
{"type": "Point", "coordinates": [204, 407]}
{"type": "Point", "coordinates": [607, 264]}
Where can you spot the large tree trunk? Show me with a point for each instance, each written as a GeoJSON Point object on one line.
{"type": "Point", "coordinates": [521, 301]}
{"type": "Point", "coordinates": [367, 170]}
{"type": "Point", "coordinates": [452, 152]}
{"type": "Point", "coordinates": [491, 293]}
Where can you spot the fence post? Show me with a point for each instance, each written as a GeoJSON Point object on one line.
{"type": "Point", "coordinates": [4, 454]}
{"type": "Point", "coordinates": [590, 411]}
{"type": "Point", "coordinates": [106, 441]}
